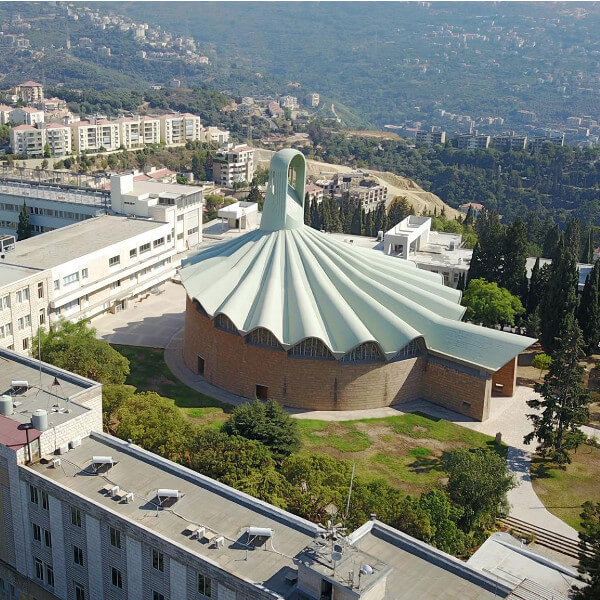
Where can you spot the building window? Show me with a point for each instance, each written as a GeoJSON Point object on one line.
{"type": "Point", "coordinates": [45, 504]}
{"type": "Point", "coordinates": [412, 349]}
{"type": "Point", "coordinates": [158, 560]}
{"type": "Point", "coordinates": [47, 538]}
{"type": "Point", "coordinates": [75, 516]}
{"type": "Point", "coordinates": [262, 337]}
{"type": "Point", "coordinates": [192, 231]}
{"type": "Point", "coordinates": [79, 592]}
{"type": "Point", "coordinates": [5, 302]}
{"type": "Point", "coordinates": [145, 248]}
{"type": "Point", "coordinates": [157, 596]}
{"type": "Point", "coordinates": [261, 392]}
{"type": "Point", "coordinates": [159, 242]}
{"type": "Point", "coordinates": [78, 556]}
{"type": "Point", "coordinates": [49, 575]}
{"type": "Point", "coordinates": [114, 261]}
{"type": "Point", "coordinates": [37, 532]}
{"type": "Point", "coordinates": [367, 352]}
{"type": "Point", "coordinates": [311, 348]}
{"type": "Point", "coordinates": [224, 322]}
{"type": "Point", "coordinates": [57, 284]}
{"type": "Point", "coordinates": [26, 344]}
{"type": "Point", "coordinates": [42, 316]}
{"type": "Point", "coordinates": [41, 289]}
{"type": "Point", "coordinates": [23, 295]}
{"type": "Point", "coordinates": [117, 578]}
{"type": "Point", "coordinates": [72, 278]}
{"type": "Point", "coordinates": [84, 273]}
{"type": "Point", "coordinates": [115, 537]}
{"type": "Point", "coordinates": [5, 330]}
{"type": "Point", "coordinates": [204, 585]}
{"type": "Point", "coordinates": [133, 253]}
{"type": "Point", "coordinates": [34, 495]}
{"type": "Point", "coordinates": [39, 569]}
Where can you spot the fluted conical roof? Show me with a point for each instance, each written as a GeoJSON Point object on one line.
{"type": "Point", "coordinates": [300, 283]}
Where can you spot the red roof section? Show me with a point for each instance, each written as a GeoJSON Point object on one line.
{"type": "Point", "coordinates": [13, 436]}
{"type": "Point", "coordinates": [23, 127]}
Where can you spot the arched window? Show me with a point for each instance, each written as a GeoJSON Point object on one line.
{"type": "Point", "coordinates": [225, 323]}
{"type": "Point", "coordinates": [414, 348]}
{"type": "Point", "coordinates": [365, 353]}
{"type": "Point", "coordinates": [262, 337]}
{"type": "Point", "coordinates": [311, 348]}
{"type": "Point", "coordinates": [199, 308]}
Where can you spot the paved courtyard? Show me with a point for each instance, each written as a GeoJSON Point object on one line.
{"type": "Point", "coordinates": [149, 322]}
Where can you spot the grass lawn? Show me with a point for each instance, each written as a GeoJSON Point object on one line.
{"type": "Point", "coordinates": [149, 373]}
{"type": "Point", "coordinates": [405, 450]}
{"type": "Point", "coordinates": [564, 491]}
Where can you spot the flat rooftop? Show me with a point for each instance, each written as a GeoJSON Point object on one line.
{"type": "Point", "coordinates": [73, 241]}
{"type": "Point", "coordinates": [205, 503]}
{"type": "Point", "coordinates": [420, 571]}
{"type": "Point", "coordinates": [11, 274]}
{"type": "Point", "coordinates": [25, 191]}
{"type": "Point", "coordinates": [40, 393]}
{"type": "Point", "coordinates": [155, 188]}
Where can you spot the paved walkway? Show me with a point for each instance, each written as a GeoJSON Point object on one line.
{"type": "Point", "coordinates": [507, 416]}
{"type": "Point", "coordinates": [151, 322]}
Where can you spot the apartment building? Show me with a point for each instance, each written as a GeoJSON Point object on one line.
{"type": "Point", "coordinates": [5, 112]}
{"type": "Point", "coordinates": [510, 142]}
{"type": "Point", "coordinates": [24, 300]}
{"type": "Point", "coordinates": [86, 269]}
{"type": "Point", "coordinates": [290, 102]}
{"type": "Point", "coordinates": [233, 164]}
{"type": "Point", "coordinates": [179, 128]}
{"type": "Point", "coordinates": [178, 205]}
{"type": "Point", "coordinates": [88, 516]}
{"type": "Point", "coordinates": [30, 92]}
{"type": "Point", "coordinates": [313, 99]}
{"type": "Point", "coordinates": [214, 135]}
{"type": "Point", "coordinates": [27, 115]}
{"type": "Point", "coordinates": [150, 130]}
{"type": "Point", "coordinates": [92, 135]}
{"type": "Point", "coordinates": [430, 138]}
{"type": "Point", "coordinates": [369, 194]}
{"type": "Point", "coordinates": [30, 140]}
{"type": "Point", "coordinates": [473, 142]}
{"type": "Point", "coordinates": [556, 139]}
{"type": "Point", "coordinates": [314, 193]}
{"type": "Point", "coordinates": [131, 134]}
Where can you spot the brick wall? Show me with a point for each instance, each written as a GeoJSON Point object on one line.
{"type": "Point", "coordinates": [506, 377]}
{"type": "Point", "coordinates": [232, 364]}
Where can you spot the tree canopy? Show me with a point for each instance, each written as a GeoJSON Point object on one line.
{"type": "Point", "coordinates": [74, 347]}
{"type": "Point", "coordinates": [489, 304]}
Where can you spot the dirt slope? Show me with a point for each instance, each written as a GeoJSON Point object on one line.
{"type": "Point", "coordinates": [397, 185]}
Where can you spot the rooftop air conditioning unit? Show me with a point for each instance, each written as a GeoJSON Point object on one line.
{"type": "Point", "coordinates": [164, 494]}
{"type": "Point", "coordinates": [101, 461]}
{"type": "Point", "coordinates": [75, 443]}
{"type": "Point", "coordinates": [56, 463]}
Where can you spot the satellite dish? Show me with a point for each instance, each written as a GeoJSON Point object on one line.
{"type": "Point", "coordinates": [338, 548]}
{"type": "Point", "coordinates": [336, 556]}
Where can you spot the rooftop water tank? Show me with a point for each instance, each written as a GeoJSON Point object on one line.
{"type": "Point", "coordinates": [6, 405]}
{"type": "Point", "coordinates": [39, 419]}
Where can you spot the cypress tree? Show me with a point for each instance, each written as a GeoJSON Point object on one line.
{"type": "Point", "coordinates": [550, 244]}
{"type": "Point", "coordinates": [369, 224]}
{"type": "Point", "coordinates": [307, 210]}
{"type": "Point", "coordinates": [356, 225]}
{"type": "Point", "coordinates": [315, 216]}
{"type": "Point", "coordinates": [573, 237]}
{"type": "Point", "coordinates": [588, 313]}
{"type": "Point", "coordinates": [587, 255]}
{"type": "Point", "coordinates": [469, 219]}
{"type": "Point", "coordinates": [564, 404]}
{"type": "Point", "coordinates": [461, 284]}
{"type": "Point", "coordinates": [24, 229]}
{"type": "Point", "coordinates": [560, 296]}
{"type": "Point", "coordinates": [533, 296]}
{"type": "Point", "coordinates": [514, 273]}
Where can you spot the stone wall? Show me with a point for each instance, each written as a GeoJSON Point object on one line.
{"type": "Point", "coordinates": [232, 364]}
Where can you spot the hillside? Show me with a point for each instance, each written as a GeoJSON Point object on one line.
{"type": "Point", "coordinates": [419, 199]}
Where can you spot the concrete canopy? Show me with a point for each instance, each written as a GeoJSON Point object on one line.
{"type": "Point", "coordinates": [299, 283]}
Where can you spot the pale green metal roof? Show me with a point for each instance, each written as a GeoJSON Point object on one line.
{"type": "Point", "coordinates": [300, 283]}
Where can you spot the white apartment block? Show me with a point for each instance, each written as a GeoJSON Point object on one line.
{"type": "Point", "coordinates": [131, 133]}
{"type": "Point", "coordinates": [85, 515]}
{"type": "Point", "coordinates": [30, 140]}
{"type": "Point", "coordinates": [150, 129]}
{"type": "Point", "coordinates": [30, 92]}
{"type": "Point", "coordinates": [369, 195]}
{"type": "Point", "coordinates": [83, 270]}
{"type": "Point", "coordinates": [233, 165]}
{"type": "Point", "coordinates": [27, 115]}
{"type": "Point", "coordinates": [94, 134]}
{"type": "Point", "coordinates": [313, 99]}
{"type": "Point", "coordinates": [214, 135]}
{"type": "Point", "coordinates": [180, 128]}
{"type": "Point", "coordinates": [5, 112]}
{"type": "Point", "coordinates": [290, 102]}
{"type": "Point", "coordinates": [178, 205]}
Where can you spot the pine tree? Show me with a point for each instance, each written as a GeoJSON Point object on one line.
{"type": "Point", "coordinates": [24, 229]}
{"type": "Point", "coordinates": [254, 195]}
{"type": "Point", "coordinates": [588, 313]}
{"type": "Point", "coordinates": [551, 242]}
{"type": "Point", "coordinates": [564, 403]}
{"type": "Point", "coordinates": [488, 254]}
{"type": "Point", "coordinates": [560, 295]}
